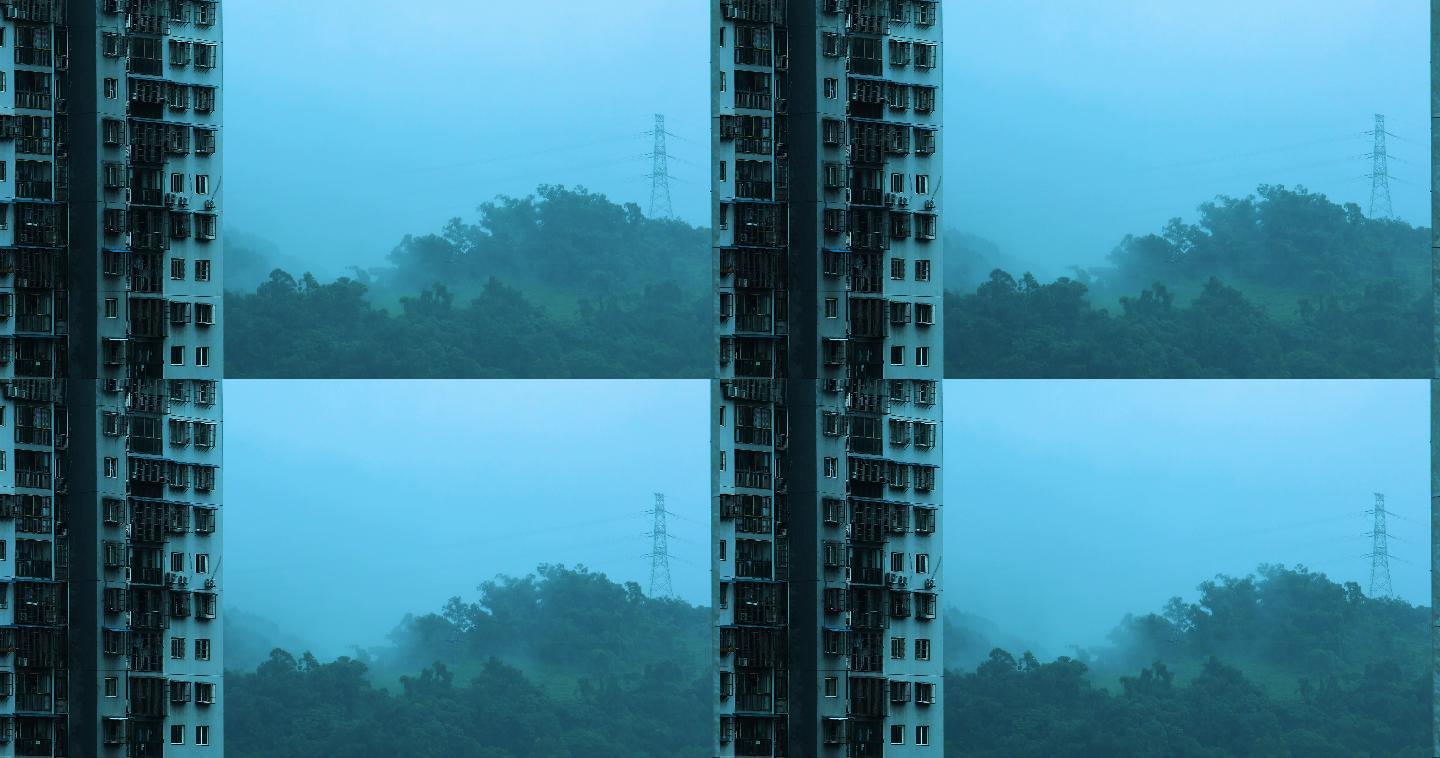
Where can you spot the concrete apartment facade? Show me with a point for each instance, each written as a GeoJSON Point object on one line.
{"type": "Point", "coordinates": [826, 439]}
{"type": "Point", "coordinates": [110, 364]}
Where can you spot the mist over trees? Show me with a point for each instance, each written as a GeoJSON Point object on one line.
{"type": "Point", "coordinates": [567, 284]}
{"type": "Point", "coordinates": [565, 662]}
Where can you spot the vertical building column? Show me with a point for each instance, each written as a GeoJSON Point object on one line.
{"type": "Point", "coordinates": [826, 435]}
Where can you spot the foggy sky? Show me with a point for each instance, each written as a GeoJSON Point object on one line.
{"type": "Point", "coordinates": [1068, 124]}
{"type": "Point", "coordinates": [1068, 503]}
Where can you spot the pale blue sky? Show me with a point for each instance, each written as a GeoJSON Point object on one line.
{"type": "Point", "coordinates": [351, 503]}
{"type": "Point", "coordinates": [1069, 123]}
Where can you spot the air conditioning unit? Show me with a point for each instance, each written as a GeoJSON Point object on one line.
{"type": "Point", "coordinates": [929, 205]}
{"type": "Point", "coordinates": [889, 198]}
{"type": "Point", "coordinates": [210, 584]}
{"type": "Point", "coordinates": [210, 205]}
{"type": "Point", "coordinates": [185, 202]}
{"type": "Point", "coordinates": [904, 202]}
{"type": "Point", "coordinates": [929, 584]}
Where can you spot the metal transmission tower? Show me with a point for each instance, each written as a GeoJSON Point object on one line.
{"type": "Point", "coordinates": [659, 554]}
{"type": "Point", "coordinates": [659, 172]}
{"type": "Point", "coordinates": [1379, 172]}
{"type": "Point", "coordinates": [1379, 551]}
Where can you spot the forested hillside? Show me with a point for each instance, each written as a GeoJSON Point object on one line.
{"type": "Point", "coordinates": [565, 283]}
{"type": "Point", "coordinates": [568, 663]}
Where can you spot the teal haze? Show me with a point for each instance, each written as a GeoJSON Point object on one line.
{"type": "Point", "coordinates": [1069, 124]}
{"type": "Point", "coordinates": [1068, 503]}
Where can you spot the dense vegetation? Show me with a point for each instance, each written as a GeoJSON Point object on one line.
{"type": "Point", "coordinates": [559, 285]}
{"type": "Point", "coordinates": [565, 283]}
{"type": "Point", "coordinates": [1333, 294]}
{"type": "Point", "coordinates": [567, 663]}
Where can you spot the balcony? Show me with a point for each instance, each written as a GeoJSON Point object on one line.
{"type": "Point", "coordinates": [753, 569]}
{"type": "Point", "coordinates": [33, 322]}
{"type": "Point", "coordinates": [758, 702]}
{"type": "Point", "coordinates": [33, 569]}
{"type": "Point", "coordinates": [39, 480]}
{"type": "Point", "coordinates": [753, 479]}
{"type": "Point", "coordinates": [35, 702]}
{"type": "Point", "coordinates": [39, 101]}
{"type": "Point", "coordinates": [746, 747]}
{"type": "Point", "coordinates": [752, 100]}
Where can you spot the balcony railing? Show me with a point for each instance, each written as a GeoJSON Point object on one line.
{"type": "Point", "coordinates": [33, 100]}
{"type": "Point", "coordinates": [753, 479]}
{"type": "Point", "coordinates": [39, 480]}
{"type": "Point", "coordinates": [753, 100]}
{"type": "Point", "coordinates": [751, 747]}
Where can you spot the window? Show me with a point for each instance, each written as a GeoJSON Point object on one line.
{"type": "Point", "coordinates": [202, 271]}
{"type": "Point", "coordinates": [177, 182]}
{"type": "Point", "coordinates": [722, 81]}
{"type": "Point", "coordinates": [922, 650]}
{"type": "Point", "coordinates": [722, 460]}
{"type": "Point", "coordinates": [202, 563]}
{"type": "Point", "coordinates": [112, 686]}
{"type": "Point", "coordinates": [897, 268]}
{"type": "Point", "coordinates": [834, 511]}
{"type": "Point", "coordinates": [922, 735]}
{"type": "Point", "coordinates": [112, 88]}
{"type": "Point", "coordinates": [922, 184]}
{"type": "Point", "coordinates": [177, 734]}
{"type": "Point", "coordinates": [205, 314]}
{"type": "Point", "coordinates": [202, 184]}
{"type": "Point", "coordinates": [177, 355]}
{"type": "Point", "coordinates": [833, 131]}
{"type": "Point", "coordinates": [722, 171]}
{"type": "Point", "coordinates": [925, 314]}
{"type": "Point", "coordinates": [832, 467]}
{"type": "Point", "coordinates": [922, 271]}
{"type": "Point", "coordinates": [202, 735]}
{"type": "Point", "coordinates": [177, 268]}
{"type": "Point", "coordinates": [897, 355]}
{"type": "Point", "coordinates": [925, 55]}
{"type": "Point", "coordinates": [112, 307]}
{"type": "Point", "coordinates": [897, 182]}
{"type": "Point", "coordinates": [202, 649]}
{"type": "Point", "coordinates": [832, 686]}
{"type": "Point", "coordinates": [897, 562]}
{"type": "Point", "coordinates": [177, 562]}
{"type": "Point", "coordinates": [897, 734]}
{"type": "Point", "coordinates": [924, 693]}
{"type": "Point", "coordinates": [205, 55]}
{"type": "Point", "coordinates": [112, 467]}
{"type": "Point", "coordinates": [897, 648]}
{"type": "Point", "coordinates": [922, 356]}
{"type": "Point", "coordinates": [204, 693]}
{"type": "Point", "coordinates": [722, 550]}
{"type": "Point", "coordinates": [832, 307]}
{"type": "Point", "coordinates": [922, 563]}
{"type": "Point", "coordinates": [832, 88]}
{"type": "Point", "coordinates": [177, 647]}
